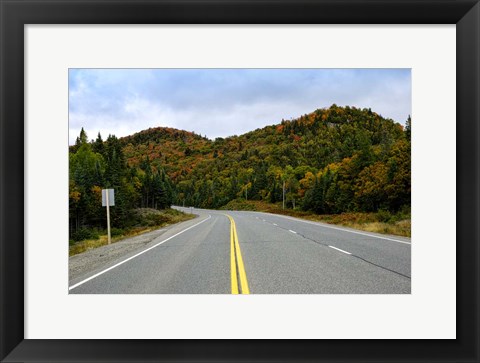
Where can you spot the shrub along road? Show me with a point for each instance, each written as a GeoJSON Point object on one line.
{"type": "Point", "coordinates": [225, 252]}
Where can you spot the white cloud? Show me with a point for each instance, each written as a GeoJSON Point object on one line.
{"type": "Point", "coordinates": [224, 102]}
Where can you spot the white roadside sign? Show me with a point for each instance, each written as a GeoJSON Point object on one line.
{"type": "Point", "coordinates": [108, 200]}
{"type": "Point", "coordinates": [111, 197]}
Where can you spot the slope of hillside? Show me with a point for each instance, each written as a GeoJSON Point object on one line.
{"type": "Point", "coordinates": [177, 151]}
{"type": "Point", "coordinates": [330, 161]}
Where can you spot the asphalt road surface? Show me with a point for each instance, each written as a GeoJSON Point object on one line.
{"type": "Point", "coordinates": [232, 252]}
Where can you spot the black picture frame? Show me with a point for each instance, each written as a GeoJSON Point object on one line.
{"type": "Point", "coordinates": [15, 14]}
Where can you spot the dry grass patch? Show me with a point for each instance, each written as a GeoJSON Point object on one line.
{"type": "Point", "coordinates": [146, 220]}
{"type": "Point", "coordinates": [401, 228]}
{"type": "Point", "coordinates": [381, 222]}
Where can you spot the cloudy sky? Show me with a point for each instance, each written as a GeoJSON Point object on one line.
{"type": "Point", "coordinates": [224, 102]}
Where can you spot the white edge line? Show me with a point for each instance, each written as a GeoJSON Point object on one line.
{"type": "Point", "coordinates": [342, 229]}
{"type": "Point", "coordinates": [338, 249]}
{"type": "Point", "coordinates": [292, 231]}
{"type": "Point", "coordinates": [132, 257]}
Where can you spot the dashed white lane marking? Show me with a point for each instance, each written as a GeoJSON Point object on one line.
{"type": "Point", "coordinates": [338, 249]}
{"type": "Point", "coordinates": [275, 224]}
{"type": "Point", "coordinates": [345, 230]}
{"type": "Point", "coordinates": [292, 231]}
{"type": "Point", "coordinates": [138, 254]}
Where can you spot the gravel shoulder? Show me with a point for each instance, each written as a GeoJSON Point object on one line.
{"type": "Point", "coordinates": [88, 262]}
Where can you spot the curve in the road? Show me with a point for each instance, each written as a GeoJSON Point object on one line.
{"type": "Point", "coordinates": [282, 256]}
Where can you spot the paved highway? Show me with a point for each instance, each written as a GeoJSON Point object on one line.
{"type": "Point", "coordinates": [232, 252]}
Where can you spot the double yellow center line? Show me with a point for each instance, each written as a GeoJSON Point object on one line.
{"type": "Point", "coordinates": [236, 262]}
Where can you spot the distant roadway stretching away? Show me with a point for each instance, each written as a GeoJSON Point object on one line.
{"type": "Point", "coordinates": [233, 252]}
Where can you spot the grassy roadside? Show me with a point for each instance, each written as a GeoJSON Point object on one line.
{"type": "Point", "coordinates": [381, 222]}
{"type": "Point", "coordinates": [146, 220]}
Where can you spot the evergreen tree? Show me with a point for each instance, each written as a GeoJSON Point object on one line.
{"type": "Point", "coordinates": [98, 146]}
{"type": "Point", "coordinates": [408, 128]}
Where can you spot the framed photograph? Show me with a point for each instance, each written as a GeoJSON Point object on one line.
{"type": "Point", "coordinates": [235, 189]}
{"type": "Point", "coordinates": [195, 152]}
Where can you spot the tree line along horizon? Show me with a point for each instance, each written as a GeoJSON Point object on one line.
{"type": "Point", "coordinates": [330, 161]}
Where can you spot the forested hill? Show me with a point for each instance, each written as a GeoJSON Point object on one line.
{"type": "Point", "coordinates": [331, 160]}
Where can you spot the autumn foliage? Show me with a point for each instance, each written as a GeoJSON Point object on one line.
{"type": "Point", "coordinates": [334, 160]}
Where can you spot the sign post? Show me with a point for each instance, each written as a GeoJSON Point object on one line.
{"type": "Point", "coordinates": [108, 199]}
